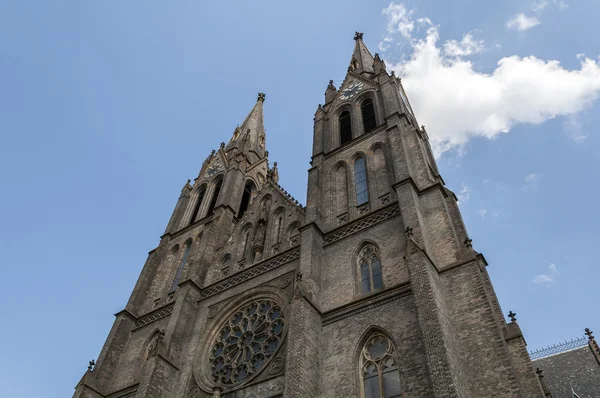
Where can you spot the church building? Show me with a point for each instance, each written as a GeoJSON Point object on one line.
{"type": "Point", "coordinates": [371, 290]}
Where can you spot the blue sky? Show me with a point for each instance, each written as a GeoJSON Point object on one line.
{"type": "Point", "coordinates": [107, 108]}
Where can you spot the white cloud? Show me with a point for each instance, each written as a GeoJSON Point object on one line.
{"type": "Point", "coordinates": [467, 46]}
{"type": "Point", "coordinates": [457, 103]}
{"type": "Point", "coordinates": [531, 177]}
{"type": "Point", "coordinates": [522, 22]}
{"type": "Point", "coordinates": [573, 127]}
{"type": "Point", "coordinates": [547, 279]}
{"type": "Point", "coordinates": [464, 194]}
{"type": "Point", "coordinates": [482, 213]}
{"type": "Point", "coordinates": [539, 5]}
{"type": "Point", "coordinates": [560, 4]}
{"type": "Point", "coordinates": [399, 19]}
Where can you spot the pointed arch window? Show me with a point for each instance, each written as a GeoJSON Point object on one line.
{"type": "Point", "coordinates": [368, 115]}
{"type": "Point", "coordinates": [278, 223]}
{"type": "Point", "coordinates": [369, 264]}
{"type": "Point", "coordinates": [186, 253]}
{"type": "Point", "coordinates": [215, 196]}
{"type": "Point", "coordinates": [345, 128]}
{"type": "Point", "coordinates": [360, 179]}
{"type": "Point", "coordinates": [380, 377]}
{"type": "Point", "coordinates": [246, 198]}
{"type": "Point", "coordinates": [199, 200]}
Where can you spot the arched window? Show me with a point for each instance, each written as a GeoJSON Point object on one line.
{"type": "Point", "coordinates": [369, 267]}
{"type": "Point", "coordinates": [368, 115]}
{"type": "Point", "coordinates": [199, 200]}
{"type": "Point", "coordinates": [215, 196]}
{"type": "Point", "coordinates": [246, 198]}
{"type": "Point", "coordinates": [186, 253]}
{"type": "Point", "coordinates": [345, 128]}
{"type": "Point", "coordinates": [379, 369]}
{"type": "Point", "coordinates": [360, 180]}
{"type": "Point", "coordinates": [246, 237]}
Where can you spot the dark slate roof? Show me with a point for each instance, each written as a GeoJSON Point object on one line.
{"type": "Point", "coordinates": [575, 369]}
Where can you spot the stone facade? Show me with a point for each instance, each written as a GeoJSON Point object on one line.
{"type": "Point", "coordinates": [250, 294]}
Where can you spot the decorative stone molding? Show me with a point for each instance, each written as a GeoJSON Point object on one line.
{"type": "Point", "coordinates": [365, 304]}
{"type": "Point", "coordinates": [385, 199]}
{"type": "Point", "coordinates": [363, 209]}
{"type": "Point", "coordinates": [154, 316]}
{"type": "Point", "coordinates": [342, 218]}
{"type": "Point", "coordinates": [359, 225]}
{"type": "Point", "coordinates": [250, 272]}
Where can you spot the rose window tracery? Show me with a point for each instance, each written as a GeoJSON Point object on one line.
{"type": "Point", "coordinates": [246, 342]}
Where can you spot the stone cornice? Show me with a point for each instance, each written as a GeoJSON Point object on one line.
{"type": "Point", "coordinates": [361, 223]}
{"type": "Point", "coordinates": [250, 272]}
{"type": "Point", "coordinates": [154, 315]}
{"type": "Point", "coordinates": [366, 303]}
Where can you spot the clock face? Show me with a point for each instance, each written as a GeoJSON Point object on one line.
{"type": "Point", "coordinates": [212, 170]}
{"type": "Point", "coordinates": [351, 90]}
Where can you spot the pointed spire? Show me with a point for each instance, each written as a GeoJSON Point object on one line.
{"type": "Point", "coordinates": [362, 60]}
{"type": "Point", "coordinates": [250, 137]}
{"type": "Point", "coordinates": [331, 92]}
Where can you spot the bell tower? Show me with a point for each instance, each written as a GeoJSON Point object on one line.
{"type": "Point", "coordinates": [372, 290]}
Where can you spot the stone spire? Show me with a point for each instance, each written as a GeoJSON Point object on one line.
{"type": "Point", "coordinates": [250, 138]}
{"type": "Point", "coordinates": [362, 60]}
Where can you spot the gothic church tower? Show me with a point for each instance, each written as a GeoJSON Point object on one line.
{"type": "Point", "coordinates": [372, 290]}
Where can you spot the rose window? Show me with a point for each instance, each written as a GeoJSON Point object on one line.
{"type": "Point", "coordinates": [246, 342]}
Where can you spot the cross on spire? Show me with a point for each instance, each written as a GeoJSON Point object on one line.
{"type": "Point", "coordinates": [358, 35]}
{"type": "Point", "coordinates": [261, 97]}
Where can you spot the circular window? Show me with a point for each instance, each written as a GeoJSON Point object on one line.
{"type": "Point", "coordinates": [246, 342]}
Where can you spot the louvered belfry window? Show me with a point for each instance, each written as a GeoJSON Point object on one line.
{"type": "Point", "coordinates": [345, 128]}
{"type": "Point", "coordinates": [368, 115]}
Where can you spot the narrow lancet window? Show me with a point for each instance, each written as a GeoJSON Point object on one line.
{"type": "Point", "coordinates": [369, 264]}
{"type": "Point", "coordinates": [368, 115]}
{"type": "Point", "coordinates": [278, 223]}
{"type": "Point", "coordinates": [215, 196]}
{"type": "Point", "coordinates": [360, 178]}
{"type": "Point", "coordinates": [379, 370]}
{"type": "Point", "coordinates": [199, 201]}
{"type": "Point", "coordinates": [177, 279]}
{"type": "Point", "coordinates": [345, 128]}
{"type": "Point", "coordinates": [246, 199]}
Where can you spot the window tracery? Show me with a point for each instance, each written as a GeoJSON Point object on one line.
{"type": "Point", "coordinates": [369, 264]}
{"type": "Point", "coordinates": [246, 342]}
{"type": "Point", "coordinates": [379, 370]}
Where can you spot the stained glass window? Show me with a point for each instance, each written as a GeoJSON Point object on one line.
{"type": "Point", "coordinates": [246, 342]}
{"type": "Point", "coordinates": [379, 370]}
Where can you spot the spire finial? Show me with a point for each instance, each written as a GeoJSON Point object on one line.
{"type": "Point", "coordinates": [261, 97]}
{"type": "Point", "coordinates": [91, 365]}
{"type": "Point", "coordinates": [589, 334]}
{"type": "Point", "coordinates": [512, 316]}
{"type": "Point", "coordinates": [358, 35]}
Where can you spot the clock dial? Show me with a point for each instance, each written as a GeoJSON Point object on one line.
{"type": "Point", "coordinates": [351, 90]}
{"type": "Point", "coordinates": [212, 170]}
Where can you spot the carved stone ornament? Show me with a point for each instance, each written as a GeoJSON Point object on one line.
{"type": "Point", "coordinates": [284, 281]}
{"type": "Point", "coordinates": [194, 392]}
{"type": "Point", "coordinates": [276, 366]}
{"type": "Point", "coordinates": [213, 312]}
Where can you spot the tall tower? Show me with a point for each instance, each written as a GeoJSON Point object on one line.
{"type": "Point", "coordinates": [373, 290]}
